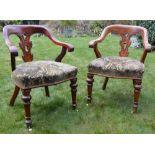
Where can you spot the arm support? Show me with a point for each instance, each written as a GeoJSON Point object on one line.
{"type": "Point", "coordinates": [65, 46]}
{"type": "Point", "coordinates": [100, 39]}
{"type": "Point", "coordinates": [11, 47]}
{"type": "Point", "coordinates": [69, 47]}
{"type": "Point", "coordinates": [147, 46]}
{"type": "Point", "coordinates": [13, 51]}
{"type": "Point", "coordinates": [94, 43]}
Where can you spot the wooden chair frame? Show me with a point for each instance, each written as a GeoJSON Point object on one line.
{"type": "Point", "coordinates": [24, 33]}
{"type": "Point", "coordinates": [125, 31]}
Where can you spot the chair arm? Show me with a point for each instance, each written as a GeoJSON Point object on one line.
{"type": "Point", "coordinates": [47, 33]}
{"type": "Point", "coordinates": [14, 53]}
{"type": "Point", "coordinates": [147, 46]}
{"type": "Point", "coordinates": [65, 47]}
{"type": "Point", "coordinates": [94, 43]}
{"type": "Point", "coordinates": [13, 50]}
{"type": "Point", "coordinates": [68, 46]}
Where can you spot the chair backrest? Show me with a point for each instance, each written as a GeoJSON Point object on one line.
{"type": "Point", "coordinates": [125, 32]}
{"type": "Point", "coordinates": [24, 33]}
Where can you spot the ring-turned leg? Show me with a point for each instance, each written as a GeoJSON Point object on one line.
{"type": "Point", "coordinates": [47, 91]}
{"type": "Point", "coordinates": [105, 83]}
{"type": "Point", "coordinates": [137, 90]}
{"type": "Point", "coordinates": [14, 96]}
{"type": "Point", "coordinates": [90, 81]}
{"type": "Point", "coordinates": [73, 86]}
{"type": "Point", "coordinates": [26, 97]}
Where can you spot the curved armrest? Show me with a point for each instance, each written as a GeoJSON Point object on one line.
{"type": "Point", "coordinates": [65, 46]}
{"type": "Point", "coordinates": [93, 43]}
{"type": "Point", "coordinates": [13, 50]}
{"type": "Point", "coordinates": [14, 53]}
{"type": "Point", "coordinates": [147, 46]}
{"type": "Point", "coordinates": [69, 47]}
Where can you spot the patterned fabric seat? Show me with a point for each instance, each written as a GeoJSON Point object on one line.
{"type": "Point", "coordinates": [122, 67]}
{"type": "Point", "coordinates": [42, 73]}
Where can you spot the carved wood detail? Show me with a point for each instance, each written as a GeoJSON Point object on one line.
{"type": "Point", "coordinates": [26, 45]}
{"type": "Point", "coordinates": [124, 43]}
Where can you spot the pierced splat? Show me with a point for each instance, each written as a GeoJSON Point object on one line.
{"type": "Point", "coordinates": [125, 43]}
{"type": "Point", "coordinates": [26, 45]}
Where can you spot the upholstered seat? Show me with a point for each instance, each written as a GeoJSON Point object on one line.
{"type": "Point", "coordinates": [114, 66]}
{"type": "Point", "coordinates": [42, 73]}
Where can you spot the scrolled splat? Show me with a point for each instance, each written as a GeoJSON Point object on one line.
{"type": "Point", "coordinates": [125, 43]}
{"type": "Point", "coordinates": [26, 45]}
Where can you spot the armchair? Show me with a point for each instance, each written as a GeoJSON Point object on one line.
{"type": "Point", "coordinates": [119, 66]}
{"type": "Point", "coordinates": [33, 74]}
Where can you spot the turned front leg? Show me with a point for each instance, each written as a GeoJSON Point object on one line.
{"type": "Point", "coordinates": [26, 97]}
{"type": "Point", "coordinates": [90, 81]}
{"type": "Point", "coordinates": [73, 86]}
{"type": "Point", "coordinates": [137, 90]}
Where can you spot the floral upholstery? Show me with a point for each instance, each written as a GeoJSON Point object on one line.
{"type": "Point", "coordinates": [122, 67]}
{"type": "Point", "coordinates": [41, 73]}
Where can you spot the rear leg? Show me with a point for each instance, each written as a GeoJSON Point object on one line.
{"type": "Point", "coordinates": [47, 91]}
{"type": "Point", "coordinates": [105, 83]}
{"type": "Point", "coordinates": [14, 96]}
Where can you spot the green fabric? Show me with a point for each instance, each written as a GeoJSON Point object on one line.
{"type": "Point", "coordinates": [41, 73]}
{"type": "Point", "coordinates": [122, 67]}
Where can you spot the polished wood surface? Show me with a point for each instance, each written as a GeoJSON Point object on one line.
{"type": "Point", "coordinates": [90, 81]}
{"type": "Point", "coordinates": [73, 86]}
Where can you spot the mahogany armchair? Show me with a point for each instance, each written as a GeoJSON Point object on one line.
{"type": "Point", "coordinates": [119, 66]}
{"type": "Point", "coordinates": [34, 74]}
